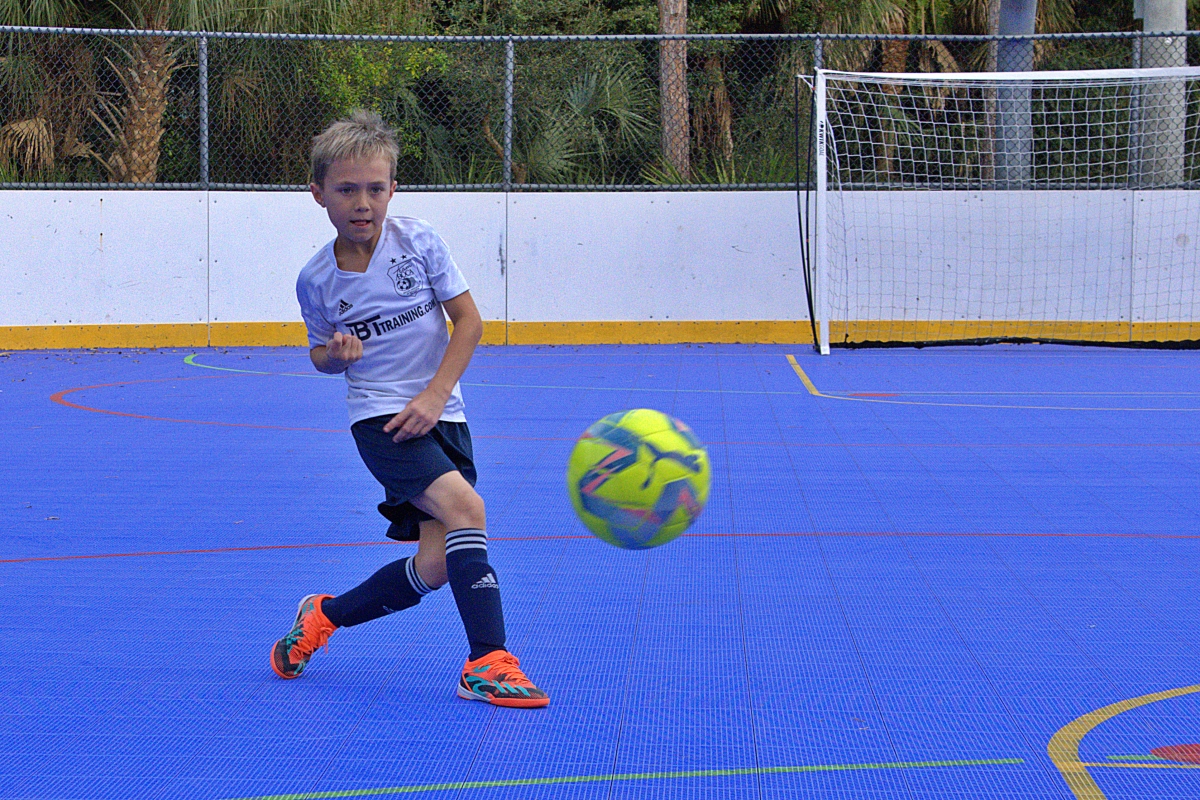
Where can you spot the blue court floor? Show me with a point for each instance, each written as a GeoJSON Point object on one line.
{"type": "Point", "coordinates": [941, 573]}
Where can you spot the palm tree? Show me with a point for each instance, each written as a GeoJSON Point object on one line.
{"type": "Point", "coordinates": [50, 87]}
{"type": "Point", "coordinates": [148, 64]}
{"type": "Point", "coordinates": [593, 131]}
{"type": "Point", "coordinates": [672, 80]}
{"type": "Point", "coordinates": [132, 117]}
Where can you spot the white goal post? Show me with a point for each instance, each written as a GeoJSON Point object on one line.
{"type": "Point", "coordinates": [1012, 206]}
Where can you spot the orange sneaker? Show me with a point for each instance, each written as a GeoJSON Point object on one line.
{"type": "Point", "coordinates": [497, 679]}
{"type": "Point", "coordinates": [310, 631]}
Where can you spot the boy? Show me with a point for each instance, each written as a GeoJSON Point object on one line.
{"type": "Point", "coordinates": [372, 301]}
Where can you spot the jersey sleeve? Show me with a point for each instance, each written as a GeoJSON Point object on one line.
{"type": "Point", "coordinates": [445, 278]}
{"type": "Point", "coordinates": [319, 329]}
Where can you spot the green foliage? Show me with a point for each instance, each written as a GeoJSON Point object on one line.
{"type": "Point", "coordinates": [593, 127]}
{"type": "Point", "coordinates": [347, 77]}
{"type": "Point", "coordinates": [585, 112]}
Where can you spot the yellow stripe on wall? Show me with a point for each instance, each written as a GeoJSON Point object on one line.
{"type": "Point", "coordinates": [494, 331]}
{"type": "Point", "coordinates": [258, 334]}
{"type": "Point", "coordinates": [1166, 331]}
{"type": "Point", "coordinates": [276, 334]}
{"type": "Point", "coordinates": [65, 337]}
{"type": "Point", "coordinates": [218, 334]}
{"type": "Point", "coordinates": [885, 330]}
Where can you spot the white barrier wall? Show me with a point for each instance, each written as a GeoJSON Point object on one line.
{"type": "Point", "coordinates": [654, 256]}
{"type": "Point", "coordinates": [83, 257]}
{"type": "Point", "coordinates": [94, 258]}
{"type": "Point", "coordinates": [1068, 256]}
{"type": "Point", "coordinates": [1166, 266]}
{"type": "Point", "coordinates": [259, 241]}
{"type": "Point", "coordinates": [129, 257]}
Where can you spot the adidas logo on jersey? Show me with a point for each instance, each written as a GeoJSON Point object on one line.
{"type": "Point", "coordinates": [486, 582]}
{"type": "Point", "coordinates": [343, 306]}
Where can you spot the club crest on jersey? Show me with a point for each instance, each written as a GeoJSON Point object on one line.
{"type": "Point", "coordinates": [405, 277]}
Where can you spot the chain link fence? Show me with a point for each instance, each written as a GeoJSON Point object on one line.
{"type": "Point", "coordinates": [110, 109]}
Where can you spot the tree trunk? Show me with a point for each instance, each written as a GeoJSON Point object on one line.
{"type": "Point", "coordinates": [987, 149]}
{"type": "Point", "coordinates": [895, 59]}
{"type": "Point", "coordinates": [895, 51]}
{"type": "Point", "coordinates": [672, 76]}
{"type": "Point", "coordinates": [714, 118]}
{"type": "Point", "coordinates": [993, 27]}
{"type": "Point", "coordinates": [146, 79]}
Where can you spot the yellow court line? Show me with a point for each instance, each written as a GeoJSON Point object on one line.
{"type": "Point", "coordinates": [804, 378]}
{"type": "Point", "coordinates": [815, 392]}
{"type": "Point", "coordinates": [1064, 746]}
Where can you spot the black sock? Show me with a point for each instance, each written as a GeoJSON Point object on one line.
{"type": "Point", "coordinates": [475, 590]}
{"type": "Point", "coordinates": [395, 587]}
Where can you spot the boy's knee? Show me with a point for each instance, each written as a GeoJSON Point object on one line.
{"type": "Point", "coordinates": [465, 509]}
{"type": "Point", "coordinates": [453, 502]}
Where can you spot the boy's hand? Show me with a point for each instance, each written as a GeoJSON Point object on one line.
{"type": "Point", "coordinates": [343, 349]}
{"type": "Point", "coordinates": [418, 417]}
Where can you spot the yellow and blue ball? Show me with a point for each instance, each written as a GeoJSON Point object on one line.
{"type": "Point", "coordinates": [638, 478]}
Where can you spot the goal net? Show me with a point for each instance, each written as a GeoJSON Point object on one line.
{"type": "Point", "coordinates": [1043, 206]}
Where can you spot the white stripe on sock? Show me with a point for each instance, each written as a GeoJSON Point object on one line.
{"type": "Point", "coordinates": [414, 578]}
{"type": "Point", "coordinates": [479, 540]}
{"type": "Point", "coordinates": [474, 533]}
{"type": "Point", "coordinates": [466, 546]}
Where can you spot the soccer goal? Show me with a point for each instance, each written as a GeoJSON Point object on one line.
{"type": "Point", "coordinates": [1040, 206]}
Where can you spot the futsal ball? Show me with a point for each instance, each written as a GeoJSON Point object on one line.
{"type": "Point", "coordinates": [638, 478]}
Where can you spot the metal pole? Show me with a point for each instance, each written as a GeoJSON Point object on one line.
{"type": "Point", "coordinates": [821, 274]}
{"type": "Point", "coordinates": [1135, 124]}
{"type": "Point", "coordinates": [1164, 102]}
{"type": "Point", "coordinates": [509, 61]}
{"type": "Point", "coordinates": [202, 61]}
{"type": "Point", "coordinates": [1014, 144]}
{"type": "Point", "coordinates": [818, 54]}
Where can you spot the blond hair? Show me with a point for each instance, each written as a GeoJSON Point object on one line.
{"type": "Point", "coordinates": [363, 134]}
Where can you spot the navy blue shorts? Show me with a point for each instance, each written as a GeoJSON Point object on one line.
{"type": "Point", "coordinates": [407, 468]}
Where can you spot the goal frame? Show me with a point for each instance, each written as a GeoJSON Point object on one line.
{"type": "Point", "coordinates": [825, 147]}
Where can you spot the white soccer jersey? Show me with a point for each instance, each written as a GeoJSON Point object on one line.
{"type": "Point", "coordinates": [395, 308]}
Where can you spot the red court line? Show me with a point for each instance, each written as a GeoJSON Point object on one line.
{"type": "Point", "coordinates": [58, 397]}
{"type": "Point", "coordinates": [784, 534]}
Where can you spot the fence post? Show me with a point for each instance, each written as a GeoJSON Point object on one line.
{"type": "Point", "coordinates": [1135, 126]}
{"type": "Point", "coordinates": [508, 112]}
{"type": "Point", "coordinates": [818, 54]}
{"type": "Point", "coordinates": [202, 62]}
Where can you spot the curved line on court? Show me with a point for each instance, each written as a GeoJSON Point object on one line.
{"type": "Point", "coordinates": [632, 776]}
{"type": "Point", "coordinates": [1064, 745]}
{"type": "Point", "coordinates": [808, 384]}
{"type": "Point", "coordinates": [59, 397]}
{"type": "Point", "coordinates": [815, 392]}
{"type": "Point", "coordinates": [191, 362]}
{"type": "Point", "coordinates": [568, 536]}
